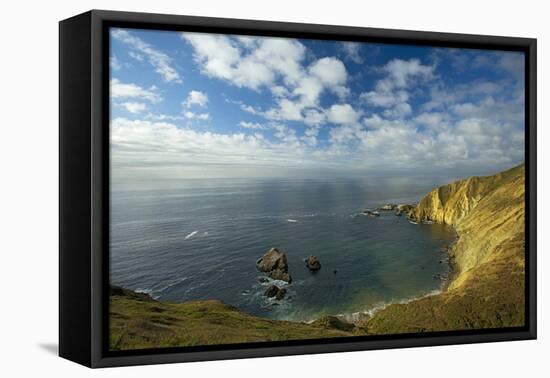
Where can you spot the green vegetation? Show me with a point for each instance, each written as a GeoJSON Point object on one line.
{"type": "Point", "coordinates": [137, 322]}
{"type": "Point", "coordinates": [486, 291]}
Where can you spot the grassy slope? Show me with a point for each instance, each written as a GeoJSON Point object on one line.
{"type": "Point", "coordinates": [488, 288]}
{"type": "Point", "coordinates": [137, 321]}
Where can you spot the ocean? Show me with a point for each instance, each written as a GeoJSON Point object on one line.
{"type": "Point", "coordinates": [199, 239]}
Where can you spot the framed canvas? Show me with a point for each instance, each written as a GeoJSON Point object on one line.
{"type": "Point", "coordinates": [235, 188]}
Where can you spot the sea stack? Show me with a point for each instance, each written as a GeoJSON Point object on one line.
{"type": "Point", "coordinates": [313, 263]}
{"type": "Point", "coordinates": [275, 263]}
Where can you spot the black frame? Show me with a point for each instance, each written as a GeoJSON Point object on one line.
{"type": "Point", "coordinates": [84, 187]}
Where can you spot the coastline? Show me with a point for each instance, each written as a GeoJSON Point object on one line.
{"type": "Point", "coordinates": [486, 286]}
{"type": "Point", "coordinates": [483, 288]}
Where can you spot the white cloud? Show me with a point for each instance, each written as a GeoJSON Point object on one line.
{"type": "Point", "coordinates": [353, 51]}
{"type": "Point", "coordinates": [114, 63]}
{"type": "Point", "coordinates": [332, 74]}
{"type": "Point", "coordinates": [343, 114]}
{"type": "Point", "coordinates": [149, 149]}
{"type": "Point", "coordinates": [136, 56]}
{"type": "Point", "coordinates": [226, 58]}
{"type": "Point", "coordinates": [401, 72]}
{"type": "Point", "coordinates": [198, 116]}
{"type": "Point", "coordinates": [130, 90]}
{"type": "Point", "coordinates": [310, 136]}
{"type": "Point", "coordinates": [252, 125]}
{"type": "Point", "coordinates": [276, 64]}
{"type": "Point", "coordinates": [161, 62]}
{"type": "Point", "coordinates": [385, 99]}
{"type": "Point", "coordinates": [314, 117]}
{"type": "Point", "coordinates": [392, 92]}
{"type": "Point", "coordinates": [134, 107]}
{"type": "Point", "coordinates": [196, 98]}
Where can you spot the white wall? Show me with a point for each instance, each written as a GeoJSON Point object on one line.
{"type": "Point", "coordinates": [28, 207]}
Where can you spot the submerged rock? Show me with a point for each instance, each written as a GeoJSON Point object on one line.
{"type": "Point", "coordinates": [275, 291]}
{"type": "Point", "coordinates": [278, 274]}
{"type": "Point", "coordinates": [313, 263]}
{"type": "Point", "coordinates": [372, 213]}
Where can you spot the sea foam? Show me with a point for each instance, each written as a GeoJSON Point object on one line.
{"type": "Point", "coordinates": [191, 235]}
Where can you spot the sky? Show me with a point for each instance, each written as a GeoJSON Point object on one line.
{"type": "Point", "coordinates": [197, 105]}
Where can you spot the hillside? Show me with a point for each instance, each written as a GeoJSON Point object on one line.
{"type": "Point", "coordinates": [137, 321]}
{"type": "Point", "coordinates": [487, 290]}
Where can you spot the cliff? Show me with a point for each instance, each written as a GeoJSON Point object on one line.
{"type": "Point", "coordinates": [487, 289]}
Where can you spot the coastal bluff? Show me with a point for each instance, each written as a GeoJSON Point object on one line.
{"type": "Point", "coordinates": [488, 258]}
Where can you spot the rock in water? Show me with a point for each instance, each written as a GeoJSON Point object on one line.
{"type": "Point", "coordinates": [281, 294]}
{"type": "Point", "coordinates": [273, 259]}
{"type": "Point", "coordinates": [313, 263]}
{"type": "Point", "coordinates": [274, 291]}
{"type": "Point", "coordinates": [278, 274]}
{"type": "Point", "coordinates": [271, 291]}
{"type": "Point", "coordinates": [275, 263]}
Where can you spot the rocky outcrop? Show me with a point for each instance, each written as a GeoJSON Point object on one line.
{"type": "Point", "coordinates": [487, 289]}
{"type": "Point", "coordinates": [278, 274]}
{"type": "Point", "coordinates": [275, 291]}
{"type": "Point", "coordinates": [403, 209]}
{"type": "Point", "coordinates": [275, 263]}
{"type": "Point", "coordinates": [271, 260]}
{"type": "Point", "coordinates": [313, 263]}
{"type": "Point", "coordinates": [372, 213]}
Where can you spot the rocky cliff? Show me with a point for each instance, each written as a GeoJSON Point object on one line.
{"type": "Point", "coordinates": [487, 289]}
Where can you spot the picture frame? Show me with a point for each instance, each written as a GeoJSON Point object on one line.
{"type": "Point", "coordinates": [84, 197]}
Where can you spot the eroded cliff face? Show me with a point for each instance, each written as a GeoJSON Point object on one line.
{"type": "Point", "coordinates": [487, 290]}
{"type": "Point", "coordinates": [487, 213]}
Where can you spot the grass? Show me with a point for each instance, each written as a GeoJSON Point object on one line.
{"type": "Point", "coordinates": [138, 322]}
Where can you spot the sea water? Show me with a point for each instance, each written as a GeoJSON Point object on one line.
{"type": "Point", "coordinates": [199, 239]}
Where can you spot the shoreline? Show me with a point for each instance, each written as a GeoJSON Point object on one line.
{"type": "Point", "coordinates": [484, 287]}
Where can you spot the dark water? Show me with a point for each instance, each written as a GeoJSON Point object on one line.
{"type": "Point", "coordinates": [200, 239]}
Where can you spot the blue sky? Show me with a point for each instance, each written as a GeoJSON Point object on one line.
{"type": "Point", "coordinates": [207, 105]}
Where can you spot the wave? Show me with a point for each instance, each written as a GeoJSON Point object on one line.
{"type": "Point", "coordinates": [292, 220]}
{"type": "Point", "coordinates": [354, 317]}
{"type": "Point", "coordinates": [191, 235]}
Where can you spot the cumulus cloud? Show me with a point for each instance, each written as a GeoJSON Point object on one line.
{"type": "Point", "coordinates": [160, 61]}
{"type": "Point", "coordinates": [196, 98]}
{"type": "Point", "coordinates": [343, 114]}
{"type": "Point", "coordinates": [134, 107]}
{"type": "Point", "coordinates": [130, 90]}
{"type": "Point", "coordinates": [300, 112]}
{"type": "Point", "coordinates": [277, 64]}
{"type": "Point", "coordinates": [391, 92]}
